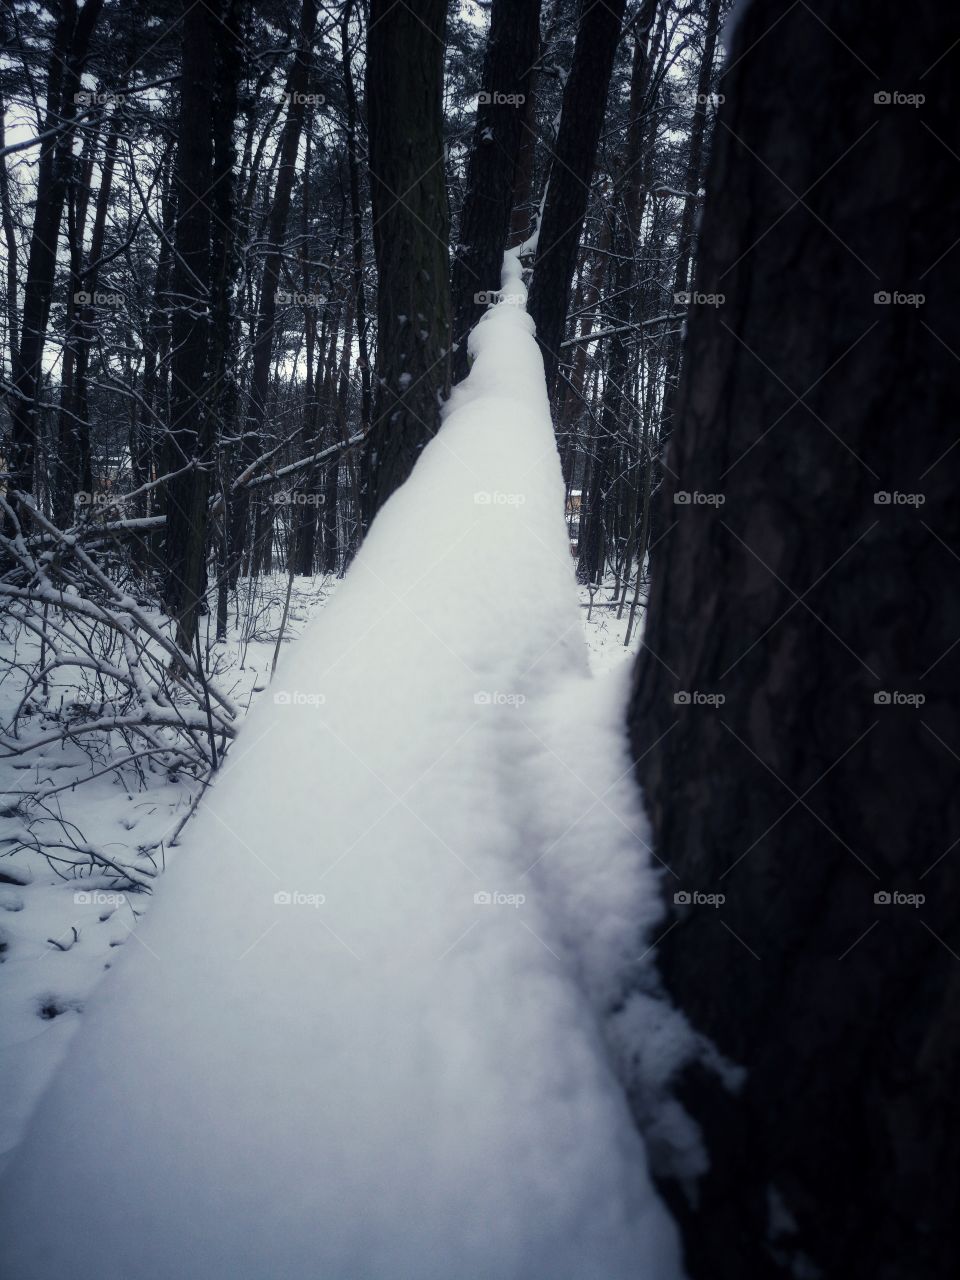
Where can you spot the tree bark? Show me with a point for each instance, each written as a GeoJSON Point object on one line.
{"type": "Point", "coordinates": [821, 613]}
{"type": "Point", "coordinates": [199, 345]}
{"type": "Point", "coordinates": [71, 40]}
{"type": "Point", "coordinates": [491, 173]}
{"type": "Point", "coordinates": [410, 238]}
{"type": "Point", "coordinates": [581, 120]}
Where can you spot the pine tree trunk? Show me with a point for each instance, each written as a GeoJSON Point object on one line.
{"type": "Point", "coordinates": [498, 136]}
{"type": "Point", "coordinates": [581, 120]}
{"type": "Point", "coordinates": [822, 614]}
{"type": "Point", "coordinates": [410, 237]}
{"type": "Point", "coordinates": [72, 37]}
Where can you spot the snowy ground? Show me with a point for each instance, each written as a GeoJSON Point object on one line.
{"type": "Point", "coordinates": [371, 1025]}
{"type": "Point", "coordinates": [59, 933]}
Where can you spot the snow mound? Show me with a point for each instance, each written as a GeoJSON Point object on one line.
{"type": "Point", "coordinates": [360, 1034]}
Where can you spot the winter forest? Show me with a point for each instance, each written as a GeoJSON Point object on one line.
{"type": "Point", "coordinates": [479, 640]}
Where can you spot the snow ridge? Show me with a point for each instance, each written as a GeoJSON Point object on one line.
{"type": "Point", "coordinates": [362, 1036]}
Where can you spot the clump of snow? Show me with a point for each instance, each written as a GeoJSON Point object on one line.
{"type": "Point", "coordinates": [363, 1031]}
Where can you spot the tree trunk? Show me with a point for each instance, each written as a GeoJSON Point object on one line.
{"type": "Point", "coordinates": [692, 181]}
{"type": "Point", "coordinates": [410, 238]}
{"type": "Point", "coordinates": [197, 288]}
{"type": "Point", "coordinates": [581, 120]}
{"type": "Point", "coordinates": [817, 602]}
{"type": "Point", "coordinates": [356, 219]}
{"type": "Point", "coordinates": [71, 39]}
{"type": "Point", "coordinates": [491, 173]}
{"type": "Point", "coordinates": [73, 462]}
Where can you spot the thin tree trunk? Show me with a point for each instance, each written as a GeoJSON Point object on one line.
{"type": "Point", "coordinates": [584, 101]}
{"type": "Point", "coordinates": [71, 39]}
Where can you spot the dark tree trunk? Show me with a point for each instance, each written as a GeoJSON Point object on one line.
{"type": "Point", "coordinates": [187, 437]}
{"type": "Point", "coordinates": [226, 265]}
{"type": "Point", "coordinates": [491, 173]}
{"type": "Point", "coordinates": [9, 235]}
{"type": "Point", "coordinates": [821, 614]}
{"type": "Point", "coordinates": [692, 182]}
{"type": "Point", "coordinates": [356, 219]}
{"type": "Point", "coordinates": [581, 120]}
{"type": "Point", "coordinates": [146, 427]}
{"type": "Point", "coordinates": [73, 462]}
{"type": "Point", "coordinates": [410, 238]}
{"type": "Point", "coordinates": [71, 39]}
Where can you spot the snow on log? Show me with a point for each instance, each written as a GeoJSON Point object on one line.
{"type": "Point", "coordinates": [360, 1034]}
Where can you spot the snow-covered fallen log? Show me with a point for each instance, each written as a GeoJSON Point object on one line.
{"type": "Point", "coordinates": [364, 1036]}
